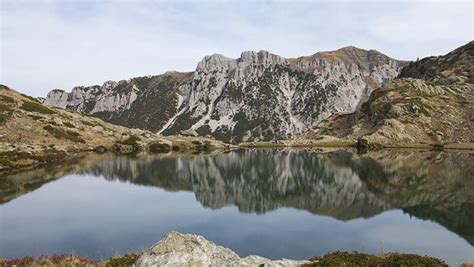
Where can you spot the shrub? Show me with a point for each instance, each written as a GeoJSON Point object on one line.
{"type": "Point", "coordinates": [125, 260]}
{"type": "Point", "coordinates": [34, 117]}
{"type": "Point", "coordinates": [64, 134]}
{"type": "Point", "coordinates": [89, 123]}
{"type": "Point", "coordinates": [132, 141]}
{"type": "Point", "coordinates": [70, 125]}
{"type": "Point", "coordinates": [340, 258]}
{"type": "Point", "coordinates": [5, 113]}
{"type": "Point", "coordinates": [36, 107]}
{"type": "Point", "coordinates": [30, 98]}
{"type": "Point", "coordinates": [3, 118]}
{"type": "Point", "coordinates": [159, 147]}
{"type": "Point", "coordinates": [5, 98]}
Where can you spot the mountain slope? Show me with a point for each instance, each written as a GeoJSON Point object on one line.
{"type": "Point", "coordinates": [258, 96]}
{"type": "Point", "coordinates": [32, 133]}
{"type": "Point", "coordinates": [432, 102]}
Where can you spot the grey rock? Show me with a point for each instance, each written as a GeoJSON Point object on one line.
{"type": "Point", "coordinates": [177, 249]}
{"type": "Point", "coordinates": [189, 132]}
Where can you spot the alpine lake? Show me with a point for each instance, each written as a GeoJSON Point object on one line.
{"type": "Point", "coordinates": [276, 203]}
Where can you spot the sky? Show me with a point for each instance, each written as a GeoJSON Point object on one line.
{"type": "Point", "coordinates": [48, 44]}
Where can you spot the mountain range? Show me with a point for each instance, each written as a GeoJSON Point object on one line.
{"type": "Point", "coordinates": [258, 96]}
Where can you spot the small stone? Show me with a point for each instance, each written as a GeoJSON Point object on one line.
{"type": "Point", "coordinates": [189, 132]}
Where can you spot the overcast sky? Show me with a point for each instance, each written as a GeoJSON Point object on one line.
{"type": "Point", "coordinates": [61, 44]}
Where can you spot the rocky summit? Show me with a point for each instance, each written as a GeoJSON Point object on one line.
{"type": "Point", "coordinates": [258, 96]}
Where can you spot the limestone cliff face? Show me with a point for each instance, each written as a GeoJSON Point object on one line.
{"type": "Point", "coordinates": [257, 96]}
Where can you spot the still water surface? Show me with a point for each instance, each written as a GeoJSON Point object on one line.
{"type": "Point", "coordinates": [274, 203]}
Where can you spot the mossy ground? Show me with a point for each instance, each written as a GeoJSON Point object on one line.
{"type": "Point", "coordinates": [64, 134]}
{"type": "Point", "coordinates": [132, 141]}
{"type": "Point", "coordinates": [36, 107]}
{"type": "Point", "coordinates": [353, 259]}
{"type": "Point", "coordinates": [70, 260]}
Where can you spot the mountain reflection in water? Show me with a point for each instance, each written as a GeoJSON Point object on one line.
{"type": "Point", "coordinates": [436, 186]}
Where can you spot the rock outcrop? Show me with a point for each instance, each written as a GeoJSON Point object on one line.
{"type": "Point", "coordinates": [258, 96]}
{"type": "Point", "coordinates": [177, 249]}
{"type": "Point", "coordinates": [432, 102]}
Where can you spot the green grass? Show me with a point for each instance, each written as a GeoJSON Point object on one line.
{"type": "Point", "coordinates": [64, 134]}
{"type": "Point", "coordinates": [36, 107]}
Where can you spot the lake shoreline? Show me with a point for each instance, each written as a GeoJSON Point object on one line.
{"type": "Point", "coordinates": [376, 184]}
{"type": "Point", "coordinates": [176, 249]}
{"type": "Point", "coordinates": [339, 257]}
{"type": "Point", "coordinates": [25, 157]}
{"type": "Point", "coordinates": [309, 143]}
{"type": "Point", "coordinates": [18, 157]}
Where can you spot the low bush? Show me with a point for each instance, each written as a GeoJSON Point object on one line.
{"type": "Point", "coordinates": [342, 258]}
{"type": "Point", "coordinates": [125, 260]}
{"type": "Point", "coordinates": [132, 141]}
{"type": "Point", "coordinates": [159, 147]}
{"type": "Point", "coordinates": [36, 107]}
{"type": "Point", "coordinates": [64, 134]}
{"type": "Point", "coordinates": [7, 99]}
{"type": "Point", "coordinates": [70, 125]}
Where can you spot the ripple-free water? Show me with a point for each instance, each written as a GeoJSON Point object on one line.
{"type": "Point", "coordinates": [273, 203]}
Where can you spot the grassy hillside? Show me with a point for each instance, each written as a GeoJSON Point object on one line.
{"type": "Point", "coordinates": [32, 133]}
{"type": "Point", "coordinates": [431, 103]}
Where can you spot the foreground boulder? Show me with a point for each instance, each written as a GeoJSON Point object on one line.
{"type": "Point", "coordinates": [177, 249]}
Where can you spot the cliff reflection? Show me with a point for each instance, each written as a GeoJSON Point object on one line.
{"type": "Point", "coordinates": [429, 185]}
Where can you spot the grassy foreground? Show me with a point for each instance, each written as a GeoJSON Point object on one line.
{"type": "Point", "coordinates": [69, 260]}
{"type": "Point", "coordinates": [338, 258]}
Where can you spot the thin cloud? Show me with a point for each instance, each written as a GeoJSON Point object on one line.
{"type": "Point", "coordinates": [61, 44]}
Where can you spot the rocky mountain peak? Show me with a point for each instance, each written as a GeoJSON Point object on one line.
{"type": "Point", "coordinates": [261, 57]}
{"type": "Point", "coordinates": [216, 62]}
{"type": "Point", "coordinates": [258, 96]}
{"type": "Point", "coordinates": [109, 85]}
